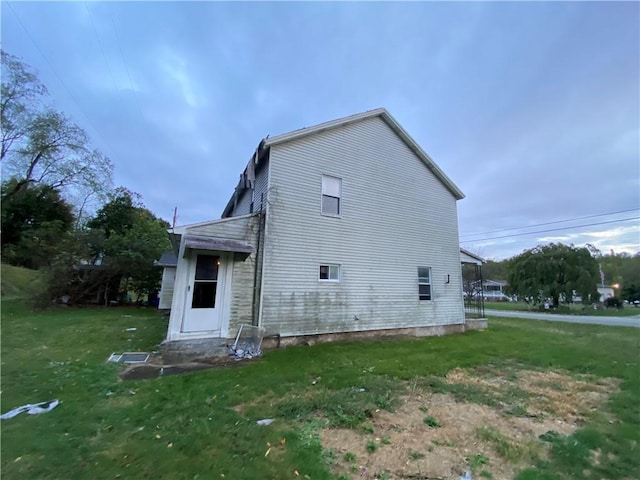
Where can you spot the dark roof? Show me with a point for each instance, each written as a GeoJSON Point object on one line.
{"type": "Point", "coordinates": [168, 259]}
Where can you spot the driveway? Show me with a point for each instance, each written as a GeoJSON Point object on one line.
{"type": "Point", "coordinates": [552, 317]}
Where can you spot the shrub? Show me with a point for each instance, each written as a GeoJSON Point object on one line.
{"type": "Point", "coordinates": [613, 302]}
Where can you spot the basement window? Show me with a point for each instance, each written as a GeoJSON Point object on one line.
{"type": "Point", "coordinates": [329, 273]}
{"type": "Point", "coordinates": [424, 283]}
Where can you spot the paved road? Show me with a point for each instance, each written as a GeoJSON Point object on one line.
{"type": "Point", "coordinates": [610, 321]}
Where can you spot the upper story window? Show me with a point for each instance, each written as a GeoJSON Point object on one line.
{"type": "Point", "coordinates": [424, 283]}
{"type": "Point", "coordinates": [331, 195]}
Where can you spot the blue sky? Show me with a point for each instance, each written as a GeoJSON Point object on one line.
{"type": "Point", "coordinates": [532, 109]}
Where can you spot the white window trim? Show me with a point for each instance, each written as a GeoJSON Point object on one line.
{"type": "Point", "coordinates": [322, 194]}
{"type": "Point", "coordinates": [330, 280]}
{"type": "Point", "coordinates": [430, 283]}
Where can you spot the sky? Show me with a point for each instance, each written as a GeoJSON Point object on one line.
{"type": "Point", "coordinates": [532, 109]}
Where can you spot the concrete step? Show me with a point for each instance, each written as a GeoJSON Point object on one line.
{"type": "Point", "coordinates": [181, 351]}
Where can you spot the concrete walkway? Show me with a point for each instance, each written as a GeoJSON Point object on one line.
{"type": "Point", "coordinates": [551, 317]}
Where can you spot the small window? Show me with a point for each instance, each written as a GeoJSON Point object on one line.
{"type": "Point", "coordinates": [329, 273]}
{"type": "Point", "coordinates": [331, 194]}
{"type": "Point", "coordinates": [424, 283]}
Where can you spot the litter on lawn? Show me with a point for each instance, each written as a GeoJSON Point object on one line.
{"type": "Point", "coordinates": [31, 409]}
{"type": "Point", "coordinates": [266, 421]}
{"type": "Point", "coordinates": [129, 357]}
{"type": "Point", "coordinates": [248, 342]}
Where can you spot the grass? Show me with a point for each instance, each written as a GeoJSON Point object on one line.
{"type": "Point", "coordinates": [572, 309]}
{"type": "Point", "coordinates": [414, 455]}
{"type": "Point", "coordinates": [17, 282]}
{"type": "Point", "coordinates": [186, 427]}
{"type": "Point", "coordinates": [508, 448]}
{"type": "Point", "coordinates": [350, 457]}
{"type": "Point", "coordinates": [430, 421]}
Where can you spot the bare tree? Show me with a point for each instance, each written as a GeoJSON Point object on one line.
{"type": "Point", "coordinates": [42, 145]}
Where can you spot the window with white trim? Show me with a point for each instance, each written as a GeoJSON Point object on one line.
{"type": "Point", "coordinates": [424, 283]}
{"type": "Point", "coordinates": [331, 195]}
{"type": "Point", "coordinates": [329, 273]}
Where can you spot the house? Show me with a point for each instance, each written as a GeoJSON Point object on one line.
{"type": "Point", "coordinates": [169, 262]}
{"type": "Point", "coordinates": [606, 291]}
{"type": "Point", "coordinates": [347, 228]}
{"type": "Point", "coordinates": [493, 290]}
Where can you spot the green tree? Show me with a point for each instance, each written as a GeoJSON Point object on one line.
{"type": "Point", "coordinates": [129, 239]}
{"type": "Point", "coordinates": [493, 270]}
{"type": "Point", "coordinates": [21, 92]}
{"type": "Point", "coordinates": [35, 220]}
{"type": "Point", "coordinates": [43, 146]}
{"type": "Point", "coordinates": [118, 214]}
{"type": "Point", "coordinates": [554, 271]}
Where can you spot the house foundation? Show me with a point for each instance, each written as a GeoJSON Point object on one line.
{"type": "Point", "coordinates": [399, 333]}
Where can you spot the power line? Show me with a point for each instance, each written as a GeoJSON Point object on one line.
{"type": "Point", "coordinates": [549, 223]}
{"type": "Point", "coordinates": [126, 66]}
{"type": "Point", "coordinates": [55, 72]}
{"type": "Point", "coordinates": [551, 230]}
{"type": "Point", "coordinates": [102, 50]}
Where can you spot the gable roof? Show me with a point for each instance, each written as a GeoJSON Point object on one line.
{"type": "Point", "coordinates": [258, 157]}
{"type": "Point", "coordinates": [181, 229]}
{"type": "Point", "coordinates": [467, 257]}
{"type": "Point", "coordinates": [391, 122]}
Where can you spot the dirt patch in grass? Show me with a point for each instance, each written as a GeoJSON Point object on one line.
{"type": "Point", "coordinates": [441, 436]}
{"type": "Point", "coordinates": [569, 399]}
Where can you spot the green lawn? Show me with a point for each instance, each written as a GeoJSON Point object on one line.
{"type": "Point", "coordinates": [186, 427]}
{"type": "Point", "coordinates": [17, 282]}
{"type": "Point", "coordinates": [574, 309]}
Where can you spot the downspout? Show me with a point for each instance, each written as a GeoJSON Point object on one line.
{"type": "Point", "coordinates": [259, 253]}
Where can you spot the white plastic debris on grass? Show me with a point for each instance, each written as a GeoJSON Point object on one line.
{"type": "Point", "coordinates": [31, 409]}
{"type": "Point", "coordinates": [248, 342]}
{"type": "Point", "coordinates": [266, 421]}
{"type": "Point", "coordinates": [467, 476]}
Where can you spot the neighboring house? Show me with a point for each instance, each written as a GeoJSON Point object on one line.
{"type": "Point", "coordinates": [344, 227]}
{"type": "Point", "coordinates": [169, 262]}
{"type": "Point", "coordinates": [491, 289]}
{"type": "Point", "coordinates": [606, 291]}
{"type": "Point", "coordinates": [494, 290]}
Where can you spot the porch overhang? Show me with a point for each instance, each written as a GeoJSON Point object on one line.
{"type": "Point", "coordinates": [217, 244]}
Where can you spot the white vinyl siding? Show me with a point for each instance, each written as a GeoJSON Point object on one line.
{"type": "Point", "coordinates": [399, 216]}
{"type": "Point", "coordinates": [244, 204]}
{"type": "Point", "coordinates": [250, 200]}
{"type": "Point", "coordinates": [166, 289]}
{"type": "Point", "coordinates": [236, 228]}
{"type": "Point", "coordinates": [261, 187]}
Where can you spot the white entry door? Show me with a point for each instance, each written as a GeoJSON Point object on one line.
{"type": "Point", "coordinates": [202, 312]}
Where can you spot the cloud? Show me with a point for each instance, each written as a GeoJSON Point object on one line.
{"type": "Point", "coordinates": [531, 108]}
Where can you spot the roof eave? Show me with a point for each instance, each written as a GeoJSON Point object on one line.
{"type": "Point", "coordinates": [395, 126]}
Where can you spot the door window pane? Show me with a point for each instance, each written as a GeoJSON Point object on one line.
{"type": "Point", "coordinates": [204, 295]}
{"type": "Point", "coordinates": [207, 267]}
